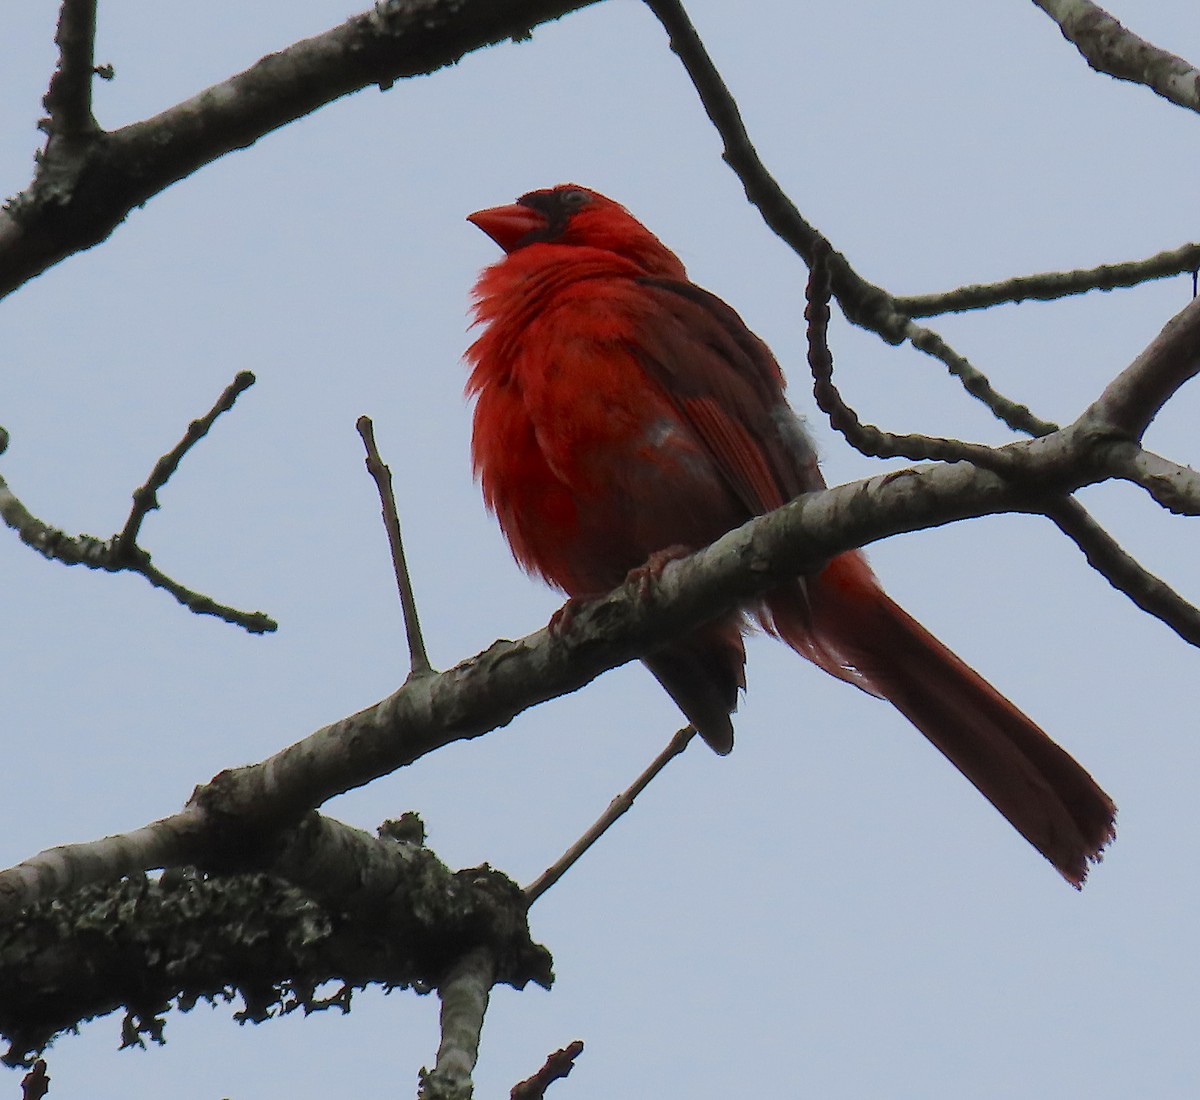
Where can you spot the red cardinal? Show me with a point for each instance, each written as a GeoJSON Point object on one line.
{"type": "Point", "coordinates": [621, 411]}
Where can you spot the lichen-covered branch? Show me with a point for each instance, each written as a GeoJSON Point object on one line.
{"type": "Point", "coordinates": [142, 945]}
{"type": "Point", "coordinates": [464, 994]}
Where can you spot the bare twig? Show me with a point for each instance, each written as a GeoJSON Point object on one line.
{"type": "Point", "coordinates": [616, 808]}
{"type": "Point", "coordinates": [1124, 573]}
{"type": "Point", "coordinates": [145, 498]}
{"type": "Point", "coordinates": [1108, 47]}
{"type": "Point", "coordinates": [121, 553]}
{"type": "Point", "coordinates": [464, 995]}
{"type": "Point", "coordinates": [418, 658]}
{"type": "Point", "coordinates": [1050, 285]}
{"type": "Point", "coordinates": [557, 1065]}
{"type": "Point", "coordinates": [865, 304]}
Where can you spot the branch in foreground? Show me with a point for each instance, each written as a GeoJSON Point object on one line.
{"type": "Point", "coordinates": [1108, 47]}
{"type": "Point", "coordinates": [1051, 285]}
{"type": "Point", "coordinates": [258, 802]}
{"type": "Point", "coordinates": [1175, 487]}
{"type": "Point", "coordinates": [366, 911]}
{"type": "Point", "coordinates": [264, 802]}
{"type": "Point", "coordinates": [1136, 396]}
{"type": "Point", "coordinates": [121, 554]}
{"type": "Point", "coordinates": [1150, 593]}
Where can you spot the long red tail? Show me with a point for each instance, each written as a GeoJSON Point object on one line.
{"type": "Point", "coordinates": [1043, 791]}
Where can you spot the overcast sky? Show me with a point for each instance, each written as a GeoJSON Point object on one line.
{"type": "Point", "coordinates": [832, 911]}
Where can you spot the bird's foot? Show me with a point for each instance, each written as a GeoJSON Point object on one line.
{"type": "Point", "coordinates": [651, 569]}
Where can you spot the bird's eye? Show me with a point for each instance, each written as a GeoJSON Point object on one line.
{"type": "Point", "coordinates": [573, 198]}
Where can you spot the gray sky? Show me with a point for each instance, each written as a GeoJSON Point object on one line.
{"type": "Point", "coordinates": [831, 911]}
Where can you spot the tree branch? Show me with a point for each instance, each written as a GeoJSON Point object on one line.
{"type": "Point", "coordinates": [1108, 47]}
{"type": "Point", "coordinates": [864, 304]}
{"type": "Point", "coordinates": [69, 98]}
{"type": "Point", "coordinates": [1133, 399]}
{"type": "Point", "coordinates": [76, 202]}
{"type": "Point", "coordinates": [382, 476]}
{"type": "Point", "coordinates": [121, 553]}
{"type": "Point", "coordinates": [616, 809]}
{"type": "Point", "coordinates": [464, 994]}
{"type": "Point", "coordinates": [557, 1065]}
{"type": "Point", "coordinates": [1150, 593]}
{"type": "Point", "coordinates": [866, 438]}
{"type": "Point", "coordinates": [1050, 285]}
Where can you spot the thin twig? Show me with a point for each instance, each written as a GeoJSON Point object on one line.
{"type": "Point", "coordinates": [976, 383]}
{"type": "Point", "coordinates": [1050, 285]}
{"type": "Point", "coordinates": [121, 553]}
{"type": "Point", "coordinates": [616, 808]}
{"type": "Point", "coordinates": [418, 658]}
{"type": "Point", "coordinates": [557, 1065]}
{"type": "Point", "coordinates": [1123, 572]}
{"type": "Point", "coordinates": [145, 498]}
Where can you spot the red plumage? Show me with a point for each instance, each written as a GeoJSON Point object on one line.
{"type": "Point", "coordinates": [621, 411]}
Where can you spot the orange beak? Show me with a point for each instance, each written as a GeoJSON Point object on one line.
{"type": "Point", "coordinates": [508, 225]}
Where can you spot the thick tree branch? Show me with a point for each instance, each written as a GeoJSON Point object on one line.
{"type": "Point", "coordinates": [187, 937]}
{"type": "Point", "coordinates": [76, 202]}
{"type": "Point", "coordinates": [1109, 47]}
{"type": "Point", "coordinates": [263, 802]}
{"type": "Point", "coordinates": [1175, 487]}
